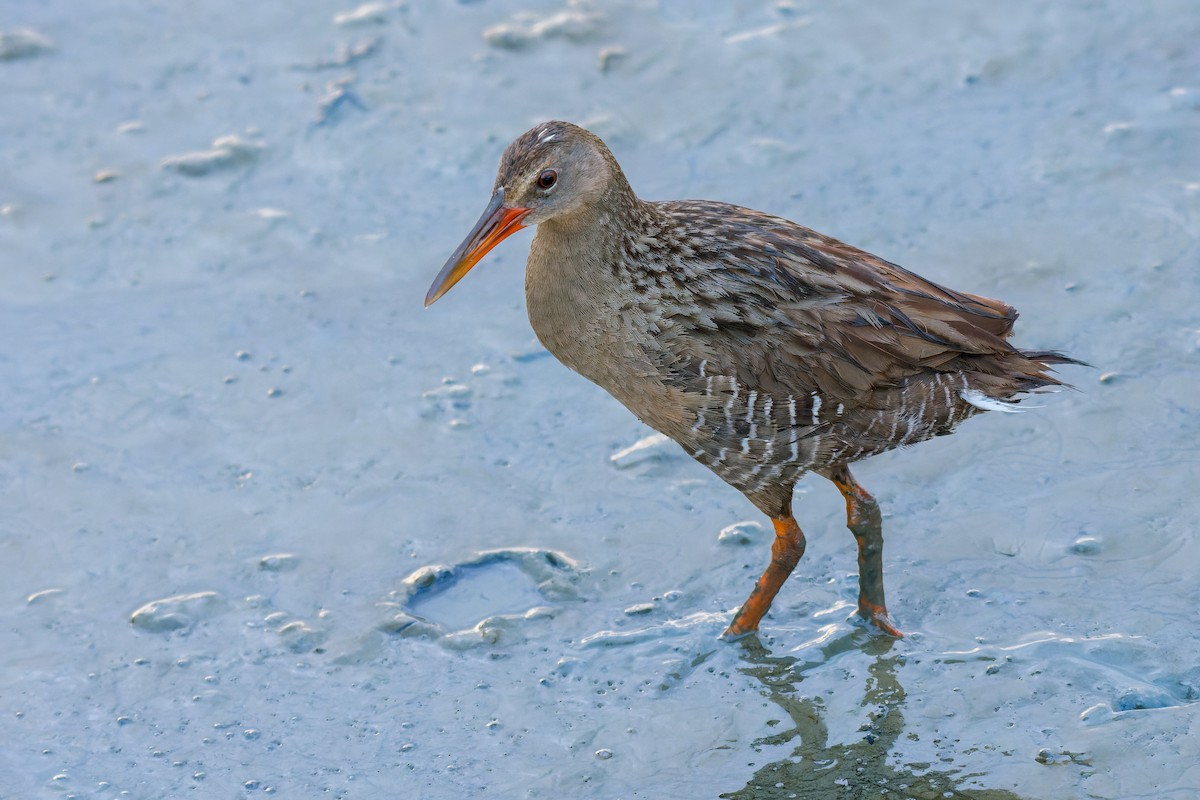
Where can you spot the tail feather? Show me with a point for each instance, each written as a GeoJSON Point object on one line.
{"type": "Point", "coordinates": [1043, 363]}
{"type": "Point", "coordinates": [1052, 357]}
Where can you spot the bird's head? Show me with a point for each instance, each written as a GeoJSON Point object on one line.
{"type": "Point", "coordinates": [551, 172]}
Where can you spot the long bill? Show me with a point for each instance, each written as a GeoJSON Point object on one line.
{"type": "Point", "coordinates": [496, 224]}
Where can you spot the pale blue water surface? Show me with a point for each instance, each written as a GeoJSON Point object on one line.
{"type": "Point", "coordinates": [248, 487]}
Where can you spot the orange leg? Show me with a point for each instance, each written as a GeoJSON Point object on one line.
{"type": "Point", "coordinates": [866, 523]}
{"type": "Point", "coordinates": [785, 554]}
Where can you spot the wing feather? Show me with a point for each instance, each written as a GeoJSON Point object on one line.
{"type": "Point", "coordinates": [789, 311]}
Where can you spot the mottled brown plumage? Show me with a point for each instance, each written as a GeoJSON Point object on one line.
{"type": "Point", "coordinates": [765, 349]}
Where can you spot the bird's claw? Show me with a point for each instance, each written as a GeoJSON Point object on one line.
{"type": "Point", "coordinates": [878, 616]}
{"type": "Point", "coordinates": [733, 634]}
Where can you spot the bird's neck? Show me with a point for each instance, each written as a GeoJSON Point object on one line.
{"type": "Point", "coordinates": [586, 248]}
{"type": "Point", "coordinates": [574, 280]}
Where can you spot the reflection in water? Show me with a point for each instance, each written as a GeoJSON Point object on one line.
{"type": "Point", "coordinates": [816, 770]}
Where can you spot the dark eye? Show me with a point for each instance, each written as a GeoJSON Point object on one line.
{"type": "Point", "coordinates": [547, 179]}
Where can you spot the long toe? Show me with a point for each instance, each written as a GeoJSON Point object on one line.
{"type": "Point", "coordinates": [878, 616]}
{"type": "Point", "coordinates": [733, 633]}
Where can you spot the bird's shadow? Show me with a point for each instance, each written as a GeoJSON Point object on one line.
{"type": "Point", "coordinates": [816, 769]}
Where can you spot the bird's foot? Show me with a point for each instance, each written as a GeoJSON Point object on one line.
{"type": "Point", "coordinates": [735, 634]}
{"type": "Point", "coordinates": [878, 616]}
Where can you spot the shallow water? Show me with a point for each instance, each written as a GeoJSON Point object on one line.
{"type": "Point", "coordinates": [242, 468]}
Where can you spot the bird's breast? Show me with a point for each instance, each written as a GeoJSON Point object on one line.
{"type": "Point", "coordinates": [583, 316]}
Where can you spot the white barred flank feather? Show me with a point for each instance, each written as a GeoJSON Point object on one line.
{"type": "Point", "coordinates": [985, 403]}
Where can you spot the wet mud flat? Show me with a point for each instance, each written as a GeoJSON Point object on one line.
{"type": "Point", "coordinates": [268, 528]}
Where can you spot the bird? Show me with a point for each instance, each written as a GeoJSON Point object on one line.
{"type": "Point", "coordinates": [763, 348]}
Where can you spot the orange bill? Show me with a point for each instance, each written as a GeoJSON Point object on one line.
{"type": "Point", "coordinates": [496, 224]}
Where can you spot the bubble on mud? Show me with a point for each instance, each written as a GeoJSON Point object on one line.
{"type": "Point", "coordinates": [365, 14]}
{"type": "Point", "coordinates": [278, 562]}
{"type": "Point", "coordinates": [683, 626]}
{"type": "Point", "coordinates": [1086, 546]}
{"type": "Point", "coordinates": [179, 611]}
{"type": "Point", "coordinates": [485, 599]}
{"type": "Point", "coordinates": [650, 448]}
{"type": "Point", "coordinates": [427, 576]}
{"type": "Point", "coordinates": [450, 396]}
{"type": "Point", "coordinates": [608, 57]}
{"type": "Point", "coordinates": [1183, 98]}
{"type": "Point", "coordinates": [1097, 714]}
{"type": "Point", "coordinates": [226, 152]}
{"type": "Point", "coordinates": [23, 43]}
{"type": "Point", "coordinates": [300, 637]}
{"type": "Point", "coordinates": [495, 628]}
{"type": "Point", "coordinates": [44, 596]}
{"type": "Point", "coordinates": [1118, 130]}
{"type": "Point", "coordinates": [566, 665]}
{"type": "Point", "coordinates": [527, 29]}
{"type": "Point", "coordinates": [604, 754]}
{"type": "Point", "coordinates": [1143, 698]}
{"type": "Point", "coordinates": [742, 533]}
